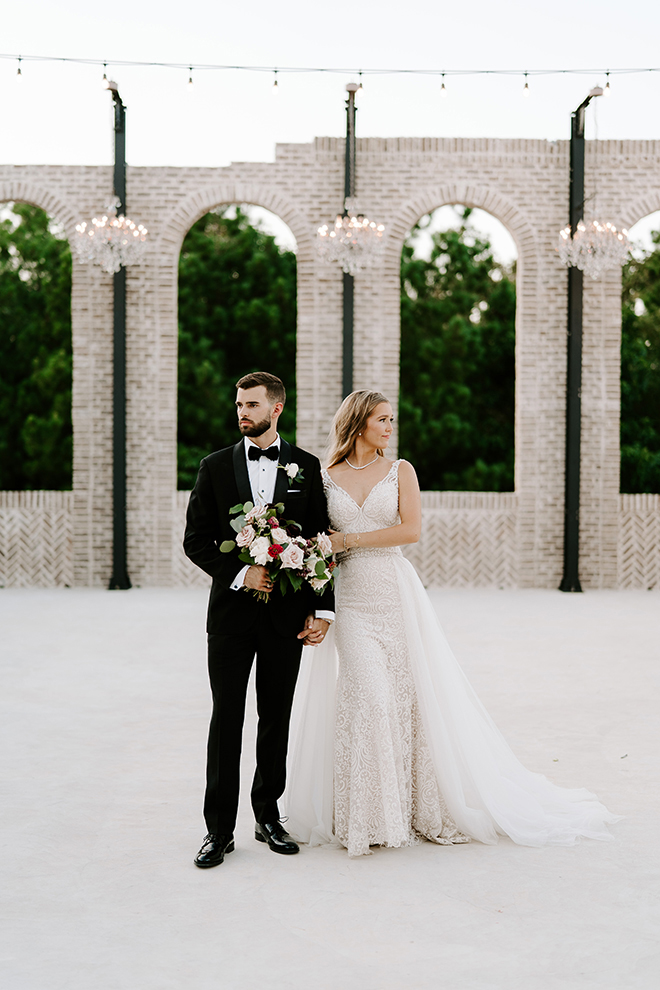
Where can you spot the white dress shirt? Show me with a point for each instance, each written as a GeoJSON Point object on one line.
{"type": "Point", "coordinates": [263, 477]}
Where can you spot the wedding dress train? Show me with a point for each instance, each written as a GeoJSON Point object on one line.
{"type": "Point", "coordinates": [389, 743]}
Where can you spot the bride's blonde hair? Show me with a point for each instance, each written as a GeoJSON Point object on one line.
{"type": "Point", "coordinates": [350, 420]}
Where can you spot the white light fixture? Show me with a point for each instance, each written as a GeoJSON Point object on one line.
{"type": "Point", "coordinates": [111, 241]}
{"type": "Point", "coordinates": [353, 240]}
{"type": "Point", "coordinates": [594, 248]}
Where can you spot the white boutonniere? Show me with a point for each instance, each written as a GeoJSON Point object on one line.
{"type": "Point", "coordinates": [293, 470]}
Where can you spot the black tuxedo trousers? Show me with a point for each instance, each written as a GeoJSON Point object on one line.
{"type": "Point", "coordinates": [240, 627]}
{"type": "Point", "coordinates": [230, 658]}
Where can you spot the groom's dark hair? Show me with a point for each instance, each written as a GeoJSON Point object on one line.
{"type": "Point", "coordinates": [274, 386]}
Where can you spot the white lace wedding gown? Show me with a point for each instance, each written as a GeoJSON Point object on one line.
{"type": "Point", "coordinates": [389, 743]}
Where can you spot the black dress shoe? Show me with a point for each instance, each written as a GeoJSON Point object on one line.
{"type": "Point", "coordinates": [277, 838]}
{"type": "Point", "coordinates": [213, 850]}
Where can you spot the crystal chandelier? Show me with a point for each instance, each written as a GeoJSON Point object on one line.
{"type": "Point", "coordinates": [111, 241]}
{"type": "Point", "coordinates": [594, 248]}
{"type": "Point", "coordinates": [353, 240]}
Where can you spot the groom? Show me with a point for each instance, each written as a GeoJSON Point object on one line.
{"type": "Point", "coordinates": [240, 626]}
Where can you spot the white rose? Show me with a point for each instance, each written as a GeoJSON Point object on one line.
{"type": "Point", "coordinates": [259, 550]}
{"type": "Point", "coordinates": [311, 562]}
{"type": "Point", "coordinates": [245, 537]}
{"type": "Point", "coordinates": [278, 535]}
{"type": "Point", "coordinates": [292, 470]}
{"type": "Point", "coordinates": [258, 512]}
{"type": "Point", "coordinates": [318, 583]}
{"type": "Point", "coordinates": [325, 544]}
{"type": "Point", "coordinates": [292, 557]}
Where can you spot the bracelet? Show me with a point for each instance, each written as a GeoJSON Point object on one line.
{"type": "Point", "coordinates": [345, 547]}
{"type": "Point", "coordinates": [357, 540]}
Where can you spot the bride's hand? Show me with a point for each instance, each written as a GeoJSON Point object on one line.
{"type": "Point", "coordinates": [337, 540]}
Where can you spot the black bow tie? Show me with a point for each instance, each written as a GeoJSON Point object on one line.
{"type": "Point", "coordinates": [254, 453]}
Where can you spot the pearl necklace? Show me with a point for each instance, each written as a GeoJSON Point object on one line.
{"type": "Point", "coordinates": [361, 466]}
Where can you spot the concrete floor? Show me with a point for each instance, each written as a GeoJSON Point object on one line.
{"type": "Point", "coordinates": [105, 705]}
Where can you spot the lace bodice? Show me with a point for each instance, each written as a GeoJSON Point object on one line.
{"type": "Point", "coordinates": [379, 510]}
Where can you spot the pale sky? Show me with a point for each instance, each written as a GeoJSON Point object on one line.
{"type": "Point", "coordinates": [59, 113]}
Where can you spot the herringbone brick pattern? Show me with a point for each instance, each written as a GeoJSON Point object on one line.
{"type": "Point", "coordinates": [36, 539]}
{"type": "Point", "coordinates": [185, 574]}
{"type": "Point", "coordinates": [468, 540]}
{"type": "Point", "coordinates": [639, 541]}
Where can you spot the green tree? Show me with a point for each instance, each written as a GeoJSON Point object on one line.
{"type": "Point", "coordinates": [640, 373]}
{"type": "Point", "coordinates": [456, 410]}
{"type": "Point", "coordinates": [35, 352]}
{"type": "Point", "coordinates": [237, 313]}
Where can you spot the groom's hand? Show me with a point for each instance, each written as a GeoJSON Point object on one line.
{"type": "Point", "coordinates": [258, 578]}
{"type": "Point", "coordinates": [314, 631]}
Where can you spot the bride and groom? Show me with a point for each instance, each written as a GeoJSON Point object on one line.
{"type": "Point", "coordinates": [389, 743]}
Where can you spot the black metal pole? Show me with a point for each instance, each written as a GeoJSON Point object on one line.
{"type": "Point", "coordinates": [571, 579]}
{"type": "Point", "coordinates": [120, 579]}
{"type": "Point", "coordinates": [349, 281]}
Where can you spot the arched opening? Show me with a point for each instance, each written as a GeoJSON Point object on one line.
{"type": "Point", "coordinates": [640, 360]}
{"type": "Point", "coordinates": [36, 439]}
{"type": "Point", "coordinates": [237, 313]}
{"type": "Point", "coordinates": [457, 377]}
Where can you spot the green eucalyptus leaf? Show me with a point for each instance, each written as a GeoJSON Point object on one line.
{"type": "Point", "coordinates": [227, 546]}
{"type": "Point", "coordinates": [236, 508]}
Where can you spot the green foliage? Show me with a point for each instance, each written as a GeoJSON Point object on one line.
{"type": "Point", "coordinates": [456, 411]}
{"type": "Point", "coordinates": [640, 374]}
{"type": "Point", "coordinates": [237, 313]}
{"type": "Point", "coordinates": [35, 353]}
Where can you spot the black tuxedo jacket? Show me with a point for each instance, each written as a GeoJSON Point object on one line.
{"type": "Point", "coordinates": [223, 482]}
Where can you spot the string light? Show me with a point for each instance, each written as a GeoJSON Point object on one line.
{"type": "Point", "coordinates": [526, 87]}
{"type": "Point", "coordinates": [607, 90]}
{"type": "Point", "coordinates": [275, 83]}
{"type": "Point", "coordinates": [18, 71]}
{"type": "Point", "coordinates": [190, 80]}
{"type": "Point", "coordinates": [360, 87]}
{"type": "Point", "coordinates": [104, 81]}
{"type": "Point", "coordinates": [347, 70]}
{"type": "Point", "coordinates": [443, 88]}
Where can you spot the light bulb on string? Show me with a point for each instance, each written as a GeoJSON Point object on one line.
{"type": "Point", "coordinates": [275, 83]}
{"type": "Point", "coordinates": [18, 71]}
{"type": "Point", "coordinates": [190, 80]}
{"type": "Point", "coordinates": [607, 91]}
{"type": "Point", "coordinates": [526, 87]}
{"type": "Point", "coordinates": [443, 88]}
{"type": "Point", "coordinates": [360, 87]}
{"type": "Point", "coordinates": [104, 81]}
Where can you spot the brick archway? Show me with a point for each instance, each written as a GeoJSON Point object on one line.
{"type": "Point", "coordinates": [45, 199]}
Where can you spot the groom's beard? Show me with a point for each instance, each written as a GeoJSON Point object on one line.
{"type": "Point", "coordinates": [254, 429]}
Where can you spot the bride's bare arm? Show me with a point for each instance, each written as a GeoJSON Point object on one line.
{"type": "Point", "coordinates": [409, 529]}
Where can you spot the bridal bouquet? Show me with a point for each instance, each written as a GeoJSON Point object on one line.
{"type": "Point", "coordinates": [265, 538]}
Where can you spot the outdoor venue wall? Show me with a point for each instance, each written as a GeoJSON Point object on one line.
{"type": "Point", "coordinates": [470, 539]}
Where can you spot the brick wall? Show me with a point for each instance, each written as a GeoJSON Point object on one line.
{"type": "Point", "coordinates": [522, 182]}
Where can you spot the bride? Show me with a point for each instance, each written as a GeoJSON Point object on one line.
{"type": "Point", "coordinates": [389, 743]}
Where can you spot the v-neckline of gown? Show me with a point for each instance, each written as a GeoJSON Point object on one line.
{"type": "Point", "coordinates": [369, 493]}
